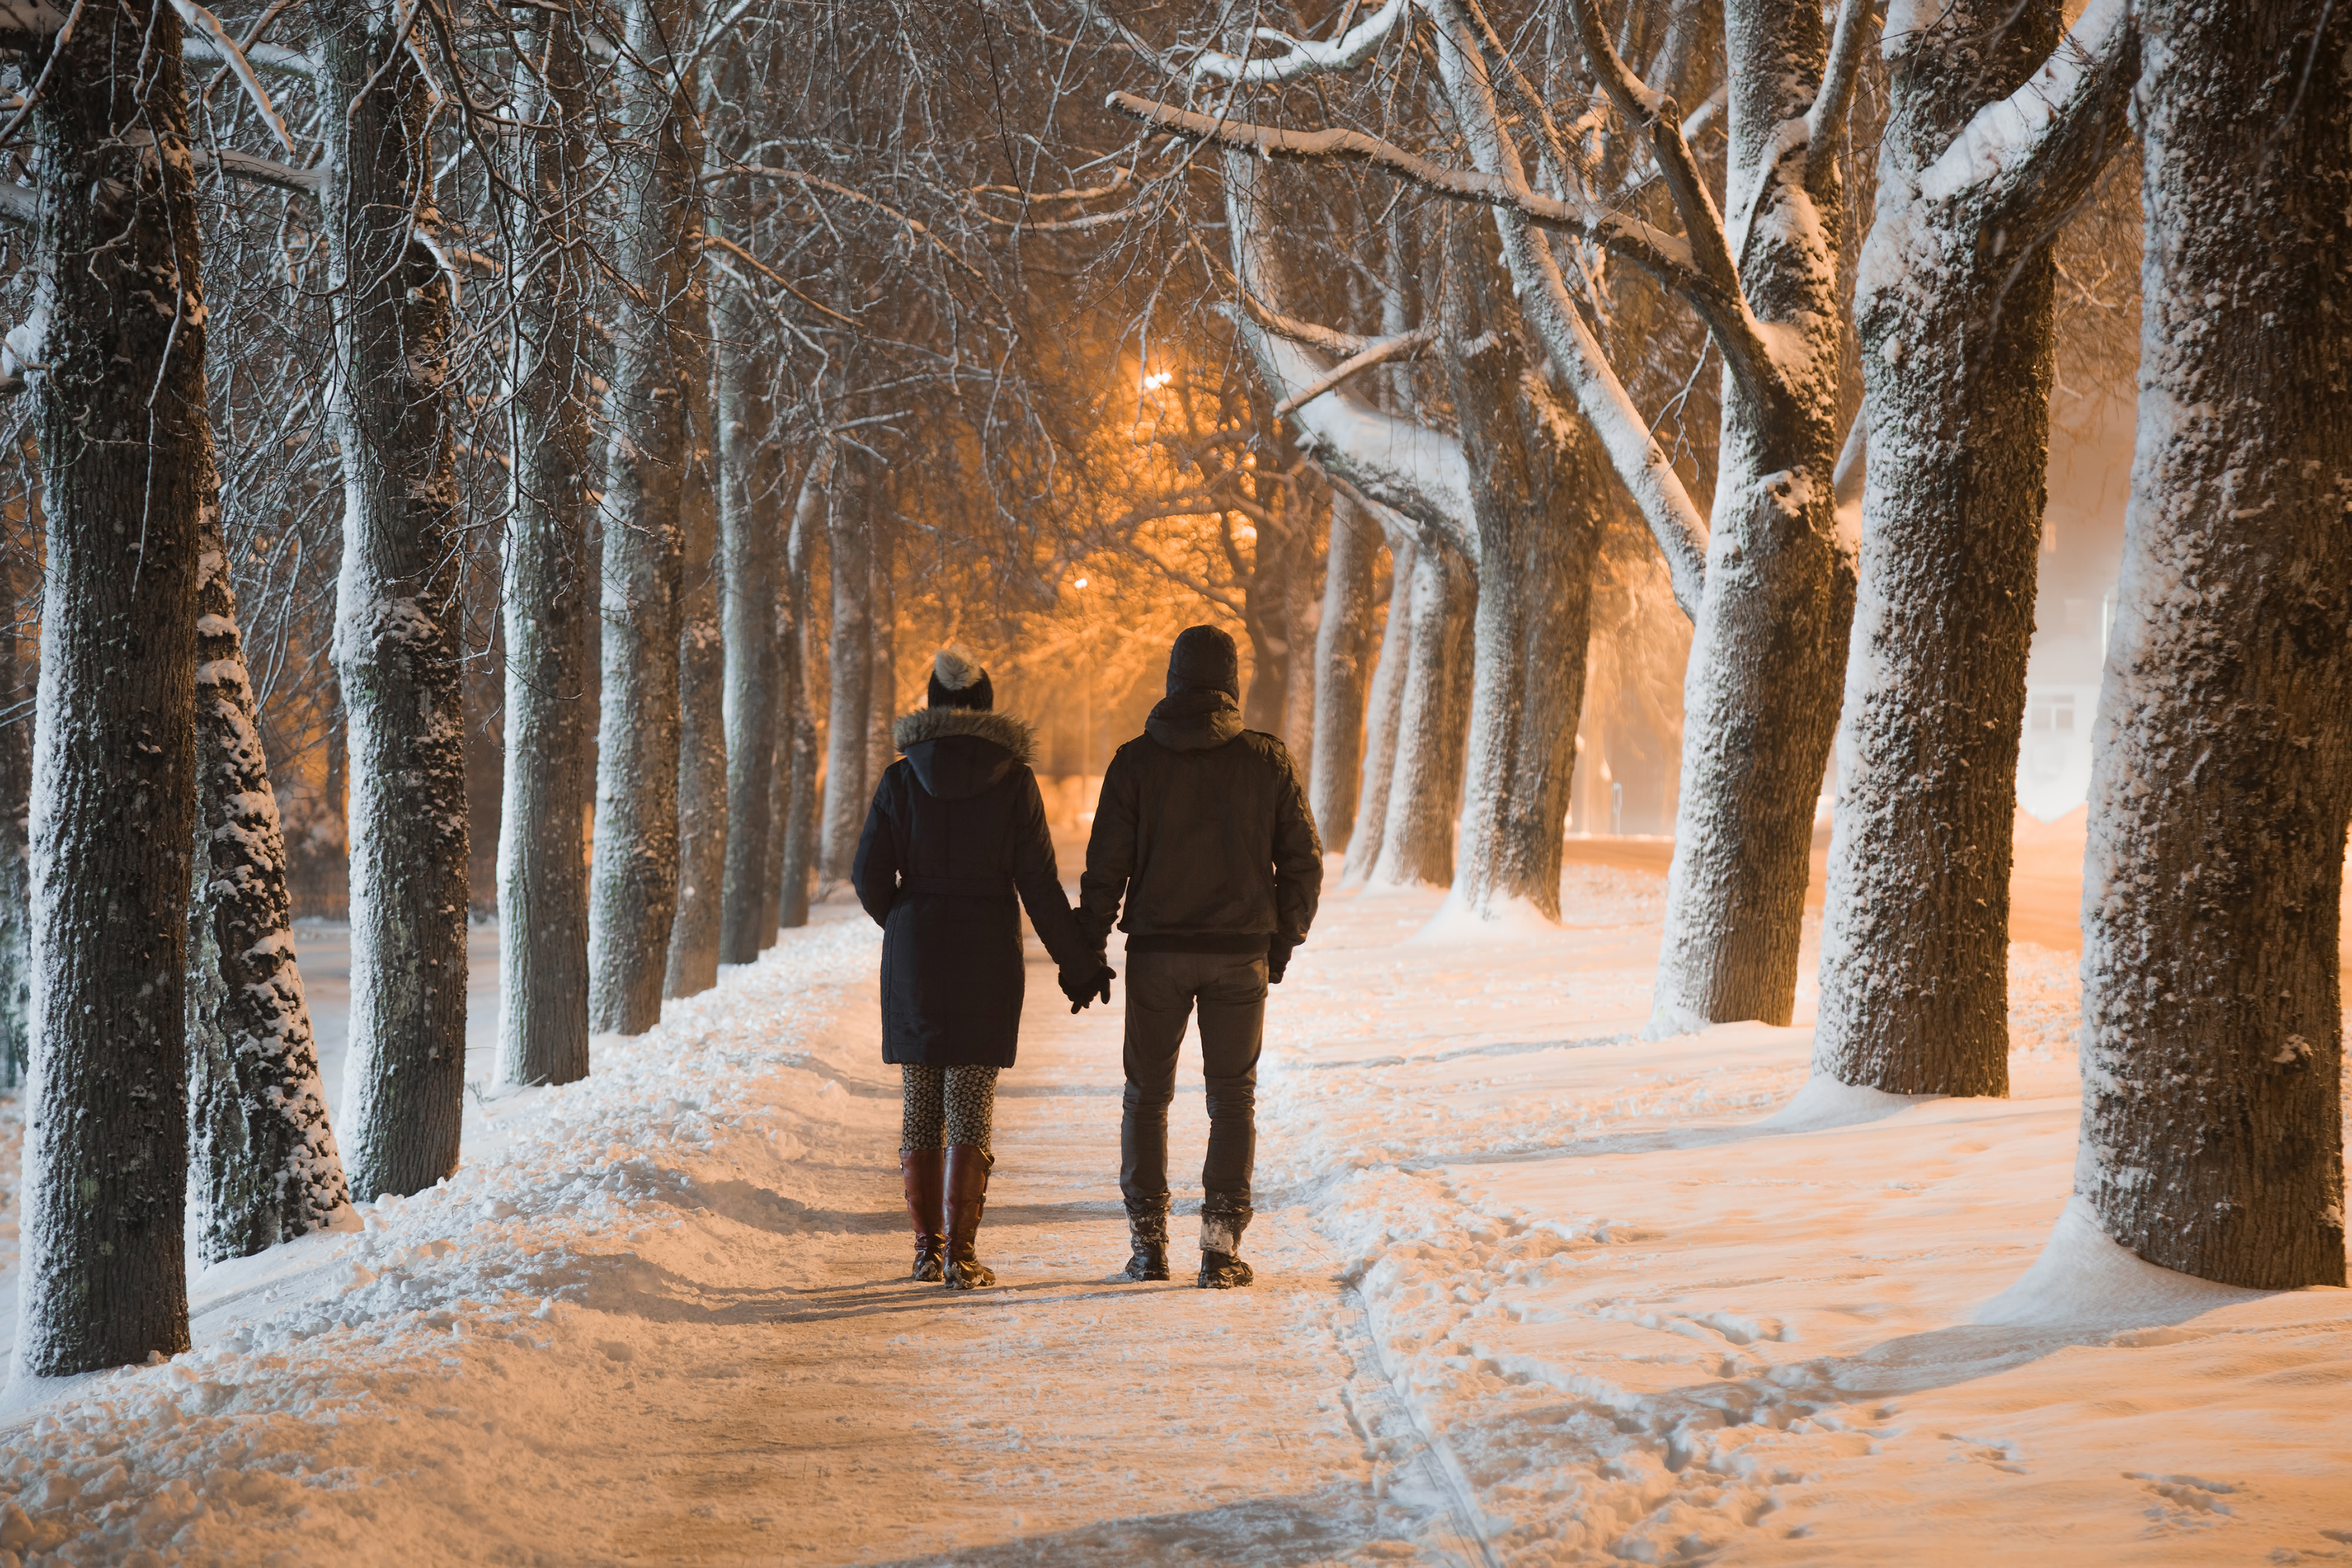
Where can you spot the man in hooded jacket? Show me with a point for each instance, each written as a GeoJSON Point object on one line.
{"type": "Point", "coordinates": [1204, 831]}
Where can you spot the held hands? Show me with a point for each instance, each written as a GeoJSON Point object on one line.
{"type": "Point", "coordinates": [1083, 986]}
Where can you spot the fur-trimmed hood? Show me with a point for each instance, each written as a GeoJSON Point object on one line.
{"type": "Point", "coordinates": [959, 752]}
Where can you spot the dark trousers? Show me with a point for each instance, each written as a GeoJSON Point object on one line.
{"type": "Point", "coordinates": [1163, 990]}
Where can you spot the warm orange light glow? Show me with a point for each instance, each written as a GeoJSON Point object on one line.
{"type": "Point", "coordinates": [1156, 380]}
{"type": "Point", "coordinates": [1081, 583]}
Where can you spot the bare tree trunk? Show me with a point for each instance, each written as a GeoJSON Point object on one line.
{"type": "Point", "coordinates": [1343, 646]}
{"type": "Point", "coordinates": [755, 694]}
{"type": "Point", "coordinates": [851, 660]}
{"type": "Point", "coordinates": [2212, 1047]}
{"type": "Point", "coordinates": [1538, 473]}
{"type": "Point", "coordinates": [1767, 651]}
{"type": "Point", "coordinates": [127, 469]}
{"type": "Point", "coordinates": [797, 859]}
{"type": "Point", "coordinates": [396, 613]}
{"type": "Point", "coordinates": [542, 845]}
{"type": "Point", "coordinates": [633, 896]}
{"type": "Point", "coordinates": [1425, 786]}
{"type": "Point", "coordinates": [1384, 713]}
{"type": "Point", "coordinates": [1956, 374]}
{"type": "Point", "coordinates": [262, 1162]}
{"type": "Point", "coordinates": [17, 695]}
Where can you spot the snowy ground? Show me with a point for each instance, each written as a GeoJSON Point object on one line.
{"type": "Point", "coordinates": [1530, 1290]}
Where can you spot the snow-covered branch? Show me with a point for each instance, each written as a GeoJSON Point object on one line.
{"type": "Point", "coordinates": [1579, 358]}
{"type": "Point", "coordinates": [1649, 247]}
{"type": "Point", "coordinates": [1404, 346]}
{"type": "Point", "coordinates": [203, 25]}
{"type": "Point", "coordinates": [200, 47]}
{"type": "Point", "coordinates": [1401, 463]}
{"type": "Point", "coordinates": [1856, 25]}
{"type": "Point", "coordinates": [2002, 151]}
{"type": "Point", "coordinates": [1306, 56]}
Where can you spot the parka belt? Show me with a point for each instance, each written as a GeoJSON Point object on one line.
{"type": "Point", "coordinates": [959, 886]}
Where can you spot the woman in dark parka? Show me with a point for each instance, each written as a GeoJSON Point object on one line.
{"type": "Point", "coordinates": [956, 826]}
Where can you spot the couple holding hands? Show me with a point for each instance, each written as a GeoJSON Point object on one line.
{"type": "Point", "coordinates": [1205, 854]}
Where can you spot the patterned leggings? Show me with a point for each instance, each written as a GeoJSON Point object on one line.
{"type": "Point", "coordinates": [947, 1104]}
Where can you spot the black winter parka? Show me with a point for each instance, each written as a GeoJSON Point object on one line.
{"type": "Point", "coordinates": [1203, 831]}
{"type": "Point", "coordinates": [956, 826]}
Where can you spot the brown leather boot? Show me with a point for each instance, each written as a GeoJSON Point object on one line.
{"type": "Point", "coordinates": [967, 1167]}
{"type": "Point", "coordinates": [924, 1172]}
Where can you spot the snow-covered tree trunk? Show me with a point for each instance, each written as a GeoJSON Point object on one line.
{"type": "Point", "coordinates": [16, 696]}
{"type": "Point", "coordinates": [1425, 783]}
{"type": "Point", "coordinates": [396, 611]}
{"type": "Point", "coordinates": [850, 659]}
{"type": "Point", "coordinates": [1383, 713]}
{"type": "Point", "coordinates": [1954, 312]}
{"type": "Point", "coordinates": [263, 1167]}
{"type": "Point", "coordinates": [1343, 647]}
{"type": "Point", "coordinates": [125, 445]}
{"type": "Point", "coordinates": [748, 543]}
{"type": "Point", "coordinates": [633, 892]}
{"type": "Point", "coordinates": [797, 852]}
{"type": "Point", "coordinates": [882, 673]}
{"type": "Point", "coordinates": [1768, 650]}
{"type": "Point", "coordinates": [542, 823]}
{"type": "Point", "coordinates": [2212, 1047]}
{"type": "Point", "coordinates": [1538, 478]}
{"type": "Point", "coordinates": [702, 782]}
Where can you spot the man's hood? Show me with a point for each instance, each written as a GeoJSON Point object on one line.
{"type": "Point", "coordinates": [958, 752]}
{"type": "Point", "coordinates": [1194, 720]}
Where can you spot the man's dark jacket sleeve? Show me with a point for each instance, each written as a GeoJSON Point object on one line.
{"type": "Point", "coordinates": [1297, 858]}
{"type": "Point", "coordinates": [1111, 852]}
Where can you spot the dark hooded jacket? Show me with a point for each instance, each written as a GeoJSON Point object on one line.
{"type": "Point", "coordinates": [1202, 831]}
{"type": "Point", "coordinates": [956, 826]}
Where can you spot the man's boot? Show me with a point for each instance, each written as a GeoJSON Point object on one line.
{"type": "Point", "coordinates": [923, 1171]}
{"type": "Point", "coordinates": [1146, 1226]}
{"type": "Point", "coordinates": [967, 1188]}
{"type": "Point", "coordinates": [1221, 1223]}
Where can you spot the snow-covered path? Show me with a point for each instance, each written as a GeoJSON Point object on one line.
{"type": "Point", "coordinates": [1531, 1290]}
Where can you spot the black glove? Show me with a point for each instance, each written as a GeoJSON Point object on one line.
{"type": "Point", "coordinates": [1278, 959]}
{"type": "Point", "coordinates": [1084, 982]}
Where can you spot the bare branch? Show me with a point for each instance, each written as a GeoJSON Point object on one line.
{"type": "Point", "coordinates": [1306, 58]}
{"type": "Point", "coordinates": [914, 226]}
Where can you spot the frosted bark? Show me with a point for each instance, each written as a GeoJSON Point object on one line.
{"type": "Point", "coordinates": [633, 891]}
{"type": "Point", "coordinates": [1538, 473]}
{"type": "Point", "coordinates": [882, 673]}
{"type": "Point", "coordinates": [1767, 660]}
{"type": "Point", "coordinates": [796, 855]}
{"type": "Point", "coordinates": [850, 658]}
{"type": "Point", "coordinates": [542, 823]}
{"type": "Point", "coordinates": [17, 673]}
{"type": "Point", "coordinates": [1425, 784]}
{"type": "Point", "coordinates": [2213, 1050]}
{"type": "Point", "coordinates": [263, 1167]}
{"type": "Point", "coordinates": [702, 780]}
{"type": "Point", "coordinates": [125, 447]}
{"type": "Point", "coordinates": [1954, 312]}
{"type": "Point", "coordinates": [1343, 656]}
{"type": "Point", "coordinates": [396, 613]}
{"type": "Point", "coordinates": [1384, 713]}
{"type": "Point", "coordinates": [755, 698]}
